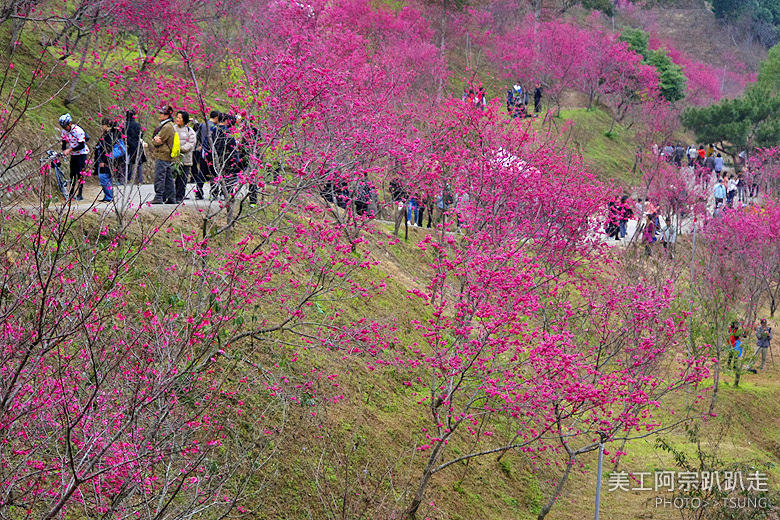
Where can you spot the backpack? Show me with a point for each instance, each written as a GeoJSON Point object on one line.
{"type": "Point", "coordinates": [518, 98]}
{"type": "Point", "coordinates": [206, 138]}
{"type": "Point", "coordinates": [448, 198]}
{"type": "Point", "coordinates": [176, 148]}
{"type": "Point", "coordinates": [364, 193]}
{"type": "Point", "coordinates": [119, 150]}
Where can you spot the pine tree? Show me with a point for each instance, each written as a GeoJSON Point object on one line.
{"type": "Point", "coordinates": [672, 81]}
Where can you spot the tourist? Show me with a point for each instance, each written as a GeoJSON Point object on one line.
{"type": "Point", "coordinates": [74, 144]}
{"type": "Point", "coordinates": [136, 156]}
{"type": "Point", "coordinates": [162, 147]}
{"type": "Point", "coordinates": [763, 339]}
{"type": "Point", "coordinates": [187, 141]}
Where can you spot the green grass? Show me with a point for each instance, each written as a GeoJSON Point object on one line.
{"type": "Point", "coordinates": [612, 156]}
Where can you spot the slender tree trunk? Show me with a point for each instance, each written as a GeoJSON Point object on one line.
{"type": "Point", "coordinates": [16, 29]}
{"type": "Point", "coordinates": [620, 454]}
{"type": "Point", "coordinates": [614, 119]}
{"type": "Point", "coordinates": [716, 377]}
{"type": "Point", "coordinates": [562, 482]}
{"type": "Point", "coordinates": [411, 511]}
{"type": "Point", "coordinates": [75, 82]}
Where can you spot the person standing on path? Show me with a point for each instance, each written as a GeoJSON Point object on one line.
{"type": "Point", "coordinates": [719, 192]}
{"type": "Point", "coordinates": [718, 164]}
{"type": "Point", "coordinates": [679, 153]}
{"type": "Point", "coordinates": [74, 144]}
{"type": "Point", "coordinates": [709, 163]}
{"type": "Point", "coordinates": [625, 215]}
{"type": "Point", "coordinates": [731, 190]}
{"type": "Point", "coordinates": [162, 142]}
{"type": "Point", "coordinates": [692, 155]}
{"type": "Point", "coordinates": [648, 235]}
{"type": "Point", "coordinates": [538, 98]}
{"type": "Point", "coordinates": [135, 149]}
{"type": "Point", "coordinates": [187, 140]}
{"type": "Point", "coordinates": [763, 339]}
{"type": "Point", "coordinates": [105, 162]}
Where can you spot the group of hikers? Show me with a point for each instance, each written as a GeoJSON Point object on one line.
{"type": "Point", "coordinates": [344, 194]}
{"type": "Point", "coordinates": [475, 96]}
{"type": "Point", "coordinates": [730, 187]}
{"type": "Point", "coordinates": [216, 152]}
{"type": "Point", "coordinates": [701, 156]}
{"type": "Point", "coordinates": [517, 99]}
{"type": "Point", "coordinates": [654, 228]}
{"type": "Point", "coordinates": [738, 336]}
{"type": "Point", "coordinates": [415, 205]}
{"type": "Point", "coordinates": [199, 153]}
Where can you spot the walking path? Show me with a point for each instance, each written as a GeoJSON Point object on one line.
{"type": "Point", "coordinates": [137, 197]}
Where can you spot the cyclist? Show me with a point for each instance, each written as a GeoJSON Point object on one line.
{"type": "Point", "coordinates": [74, 144]}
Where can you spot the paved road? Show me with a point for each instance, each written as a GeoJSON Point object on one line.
{"type": "Point", "coordinates": [132, 196]}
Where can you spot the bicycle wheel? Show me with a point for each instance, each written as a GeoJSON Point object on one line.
{"type": "Point", "coordinates": [62, 184]}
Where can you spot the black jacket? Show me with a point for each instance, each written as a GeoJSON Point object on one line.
{"type": "Point", "coordinates": [133, 133]}
{"type": "Point", "coordinates": [103, 149]}
{"type": "Point", "coordinates": [227, 151]}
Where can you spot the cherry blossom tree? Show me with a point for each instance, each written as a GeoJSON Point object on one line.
{"type": "Point", "coordinates": [529, 230]}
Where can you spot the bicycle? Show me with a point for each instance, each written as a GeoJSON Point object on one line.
{"type": "Point", "coordinates": [53, 158]}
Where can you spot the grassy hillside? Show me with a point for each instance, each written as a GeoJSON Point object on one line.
{"type": "Point", "coordinates": [329, 458]}
{"type": "Point", "coordinates": [366, 443]}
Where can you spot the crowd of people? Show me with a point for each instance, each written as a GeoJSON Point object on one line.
{"type": "Point", "coordinates": [216, 151]}
{"type": "Point", "coordinates": [517, 99]}
{"type": "Point", "coordinates": [183, 151]}
{"type": "Point", "coordinates": [653, 227]}
{"type": "Point", "coordinates": [731, 188]}
{"type": "Point", "coordinates": [414, 206]}
{"type": "Point", "coordinates": [475, 96]}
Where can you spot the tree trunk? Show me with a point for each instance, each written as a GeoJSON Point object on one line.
{"type": "Point", "coordinates": [77, 79]}
{"type": "Point", "coordinates": [411, 511]}
{"type": "Point", "coordinates": [716, 378]}
{"type": "Point", "coordinates": [16, 29]}
{"type": "Point", "coordinates": [614, 119]}
{"type": "Point", "coordinates": [620, 454]}
{"type": "Point", "coordinates": [551, 502]}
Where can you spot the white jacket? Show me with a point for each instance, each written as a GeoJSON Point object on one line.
{"type": "Point", "coordinates": [187, 141]}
